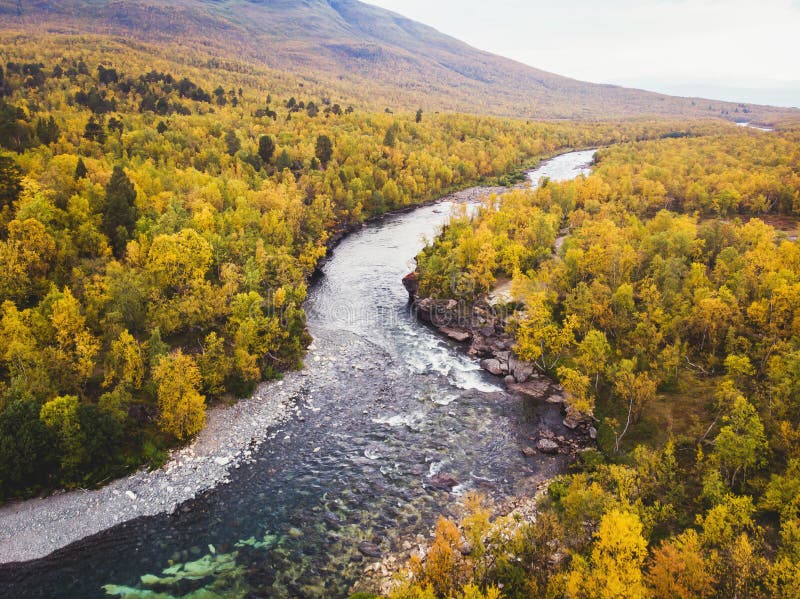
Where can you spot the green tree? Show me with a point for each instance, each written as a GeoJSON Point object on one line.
{"type": "Point", "coordinates": [741, 444]}
{"type": "Point", "coordinates": [60, 415]}
{"type": "Point", "coordinates": [232, 143]}
{"type": "Point", "coordinates": [389, 139]}
{"type": "Point", "coordinates": [215, 365]}
{"type": "Point", "coordinates": [80, 170]}
{"type": "Point", "coordinates": [94, 131]}
{"type": "Point", "coordinates": [266, 148]}
{"type": "Point", "coordinates": [283, 161]}
{"type": "Point", "coordinates": [27, 447]}
{"type": "Point", "coordinates": [15, 133]}
{"type": "Point", "coordinates": [119, 213]}
{"type": "Point", "coordinates": [324, 150]}
{"type": "Point", "coordinates": [10, 181]}
{"type": "Point", "coordinates": [418, 116]}
{"type": "Point", "coordinates": [47, 131]}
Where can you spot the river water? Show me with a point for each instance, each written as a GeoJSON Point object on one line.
{"type": "Point", "coordinates": [388, 411]}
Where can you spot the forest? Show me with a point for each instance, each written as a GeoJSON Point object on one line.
{"type": "Point", "coordinates": [670, 314]}
{"type": "Point", "coordinates": [159, 222]}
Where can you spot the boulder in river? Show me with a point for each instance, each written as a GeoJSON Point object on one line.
{"type": "Point", "coordinates": [492, 365]}
{"type": "Point", "coordinates": [442, 481]}
{"type": "Point", "coordinates": [547, 446]}
{"type": "Point", "coordinates": [411, 283]}
{"type": "Point", "coordinates": [370, 549]}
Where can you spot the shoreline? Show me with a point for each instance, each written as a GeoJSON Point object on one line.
{"type": "Point", "coordinates": [34, 528]}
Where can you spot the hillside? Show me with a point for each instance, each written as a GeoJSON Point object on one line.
{"type": "Point", "coordinates": [371, 55]}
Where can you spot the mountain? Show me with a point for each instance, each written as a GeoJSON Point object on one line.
{"type": "Point", "coordinates": [366, 52]}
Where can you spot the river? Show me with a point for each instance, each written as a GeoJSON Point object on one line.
{"type": "Point", "coordinates": [386, 409]}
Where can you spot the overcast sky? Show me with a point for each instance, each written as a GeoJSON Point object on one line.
{"type": "Point", "coordinates": [746, 50]}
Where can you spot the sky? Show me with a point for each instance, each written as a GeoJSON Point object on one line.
{"type": "Point", "coordinates": [738, 50]}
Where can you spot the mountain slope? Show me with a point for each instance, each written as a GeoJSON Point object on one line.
{"type": "Point", "coordinates": [362, 47]}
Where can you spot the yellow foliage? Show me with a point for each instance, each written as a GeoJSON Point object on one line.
{"type": "Point", "coordinates": [615, 568]}
{"type": "Point", "coordinates": [182, 408]}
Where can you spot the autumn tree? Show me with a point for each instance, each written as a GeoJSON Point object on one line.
{"type": "Point", "coordinates": [540, 339]}
{"type": "Point", "coordinates": [125, 363]}
{"type": "Point", "coordinates": [679, 569]}
{"type": "Point", "coordinates": [27, 256]}
{"type": "Point", "coordinates": [182, 410]}
{"type": "Point", "coordinates": [592, 355]}
{"type": "Point", "coordinates": [75, 348]}
{"type": "Point", "coordinates": [636, 389]}
{"type": "Point", "coordinates": [614, 570]}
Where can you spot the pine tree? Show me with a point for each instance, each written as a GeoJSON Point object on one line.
{"type": "Point", "coordinates": [80, 170]}
{"type": "Point", "coordinates": [232, 143]}
{"type": "Point", "coordinates": [266, 148]}
{"type": "Point", "coordinates": [120, 214]}
{"type": "Point", "coordinates": [283, 161]}
{"type": "Point", "coordinates": [10, 181]}
{"type": "Point", "coordinates": [324, 149]}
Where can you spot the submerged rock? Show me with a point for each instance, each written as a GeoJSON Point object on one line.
{"type": "Point", "coordinates": [370, 549]}
{"type": "Point", "coordinates": [442, 481]}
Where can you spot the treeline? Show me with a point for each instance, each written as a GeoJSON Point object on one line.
{"type": "Point", "coordinates": [670, 315]}
{"type": "Point", "coordinates": [158, 224]}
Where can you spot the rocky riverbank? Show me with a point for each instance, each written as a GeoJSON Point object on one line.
{"type": "Point", "coordinates": [481, 327]}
